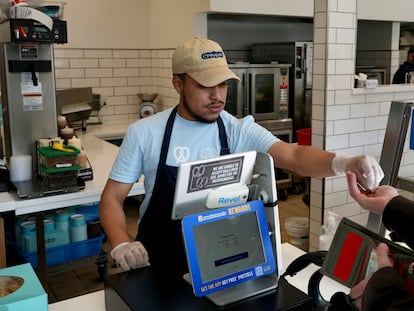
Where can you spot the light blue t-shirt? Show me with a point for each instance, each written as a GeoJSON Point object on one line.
{"type": "Point", "coordinates": [190, 140]}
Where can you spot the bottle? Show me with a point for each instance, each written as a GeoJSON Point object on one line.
{"type": "Point", "coordinates": [83, 159]}
{"type": "Point", "coordinates": [328, 231]}
{"type": "Point", "coordinates": [75, 142]}
{"type": "Point", "coordinates": [61, 122]}
{"type": "Point", "coordinates": [67, 133]}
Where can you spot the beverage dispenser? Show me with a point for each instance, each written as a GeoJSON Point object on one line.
{"type": "Point", "coordinates": [28, 90]}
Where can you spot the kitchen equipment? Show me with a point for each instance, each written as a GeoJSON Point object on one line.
{"type": "Point", "coordinates": [263, 91]}
{"type": "Point", "coordinates": [96, 105]}
{"type": "Point", "coordinates": [147, 107]}
{"type": "Point", "coordinates": [27, 30]}
{"type": "Point", "coordinates": [28, 96]}
{"type": "Point", "coordinates": [27, 88]}
{"type": "Point", "coordinates": [373, 72]}
{"type": "Point", "coordinates": [300, 55]}
{"type": "Point", "coordinates": [74, 104]}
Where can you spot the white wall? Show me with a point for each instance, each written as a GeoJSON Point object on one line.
{"type": "Point", "coordinates": [134, 24]}
{"type": "Point", "coordinates": [173, 22]}
{"type": "Point", "coordinates": [267, 7]}
{"type": "Point", "coordinates": [104, 23]}
{"type": "Point", "coordinates": [401, 10]}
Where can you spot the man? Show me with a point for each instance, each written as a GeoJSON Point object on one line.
{"type": "Point", "coordinates": [196, 128]}
{"type": "Point", "coordinates": [401, 75]}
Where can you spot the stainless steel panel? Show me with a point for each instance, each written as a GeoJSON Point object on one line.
{"type": "Point", "coordinates": [392, 149]}
{"type": "Point", "coordinates": [300, 55]}
{"type": "Point", "coordinates": [23, 125]}
{"type": "Point", "coordinates": [258, 92]}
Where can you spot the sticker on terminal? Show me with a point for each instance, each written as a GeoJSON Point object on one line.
{"type": "Point", "coordinates": [227, 196]}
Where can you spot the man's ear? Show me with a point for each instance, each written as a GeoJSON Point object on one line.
{"type": "Point", "coordinates": [177, 83]}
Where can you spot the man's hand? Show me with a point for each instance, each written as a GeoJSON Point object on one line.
{"type": "Point", "coordinates": [373, 202]}
{"type": "Point", "coordinates": [130, 255]}
{"type": "Point", "coordinates": [369, 173]}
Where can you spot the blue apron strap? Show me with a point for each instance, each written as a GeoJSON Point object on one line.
{"type": "Point", "coordinates": [223, 137]}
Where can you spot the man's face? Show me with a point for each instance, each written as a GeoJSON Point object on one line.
{"type": "Point", "coordinates": [199, 103]}
{"type": "Point", "coordinates": [410, 58]}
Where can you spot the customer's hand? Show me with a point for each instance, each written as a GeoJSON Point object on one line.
{"type": "Point", "coordinates": [374, 202]}
{"type": "Point", "coordinates": [369, 173]}
{"type": "Point", "coordinates": [384, 260]}
{"type": "Point", "coordinates": [130, 255]}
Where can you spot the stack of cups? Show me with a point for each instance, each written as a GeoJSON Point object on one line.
{"type": "Point", "coordinates": [62, 223]}
{"type": "Point", "coordinates": [28, 236]}
{"type": "Point", "coordinates": [20, 167]}
{"type": "Point", "coordinates": [78, 229]}
{"type": "Point", "coordinates": [78, 233]}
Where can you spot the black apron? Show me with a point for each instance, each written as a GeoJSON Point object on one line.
{"type": "Point", "coordinates": [161, 235]}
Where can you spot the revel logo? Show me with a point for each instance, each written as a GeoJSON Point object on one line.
{"type": "Point", "coordinates": [212, 54]}
{"type": "Point", "coordinates": [229, 200]}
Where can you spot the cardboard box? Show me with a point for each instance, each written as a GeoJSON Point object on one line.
{"type": "Point", "coordinates": [29, 296]}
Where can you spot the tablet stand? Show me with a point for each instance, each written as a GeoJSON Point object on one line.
{"type": "Point", "coordinates": [392, 150]}
{"type": "Point", "coordinates": [264, 188]}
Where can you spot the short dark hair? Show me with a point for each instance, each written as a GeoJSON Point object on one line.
{"type": "Point", "coordinates": [410, 50]}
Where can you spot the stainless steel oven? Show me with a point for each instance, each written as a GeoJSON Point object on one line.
{"type": "Point", "coordinates": [262, 91]}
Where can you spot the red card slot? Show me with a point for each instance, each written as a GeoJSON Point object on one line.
{"type": "Point", "coordinates": [361, 273]}
{"type": "Point", "coordinates": [346, 258]}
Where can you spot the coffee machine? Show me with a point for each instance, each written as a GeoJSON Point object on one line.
{"type": "Point", "coordinates": [28, 91]}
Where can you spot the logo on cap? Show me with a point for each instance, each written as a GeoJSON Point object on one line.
{"type": "Point", "coordinates": [212, 54]}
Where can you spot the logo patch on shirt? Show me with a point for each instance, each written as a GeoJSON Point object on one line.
{"type": "Point", "coordinates": [181, 154]}
{"type": "Point", "coordinates": [209, 153]}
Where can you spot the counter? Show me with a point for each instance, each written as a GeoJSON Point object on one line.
{"type": "Point", "coordinates": [96, 301]}
{"type": "Point", "coordinates": [101, 155]}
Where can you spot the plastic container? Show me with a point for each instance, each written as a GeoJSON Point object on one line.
{"type": "Point", "coordinates": [304, 136]}
{"type": "Point", "coordinates": [50, 8]}
{"type": "Point", "coordinates": [67, 252]}
{"type": "Point", "coordinates": [21, 167]}
{"type": "Point", "coordinates": [51, 158]}
{"type": "Point", "coordinates": [89, 210]}
{"type": "Point", "coordinates": [60, 177]}
{"type": "Point", "coordinates": [297, 232]}
{"type": "Point", "coordinates": [328, 231]}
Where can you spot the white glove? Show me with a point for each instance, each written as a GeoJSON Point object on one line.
{"type": "Point", "coordinates": [369, 173]}
{"type": "Point", "coordinates": [130, 255]}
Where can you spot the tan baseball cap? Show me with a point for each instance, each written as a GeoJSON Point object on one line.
{"type": "Point", "coordinates": [203, 60]}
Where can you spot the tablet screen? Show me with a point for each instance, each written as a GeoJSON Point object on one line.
{"type": "Point", "coordinates": [227, 246]}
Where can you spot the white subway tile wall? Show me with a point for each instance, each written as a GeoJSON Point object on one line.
{"type": "Point", "coordinates": [118, 76]}
{"type": "Point", "coordinates": [345, 120]}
